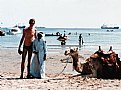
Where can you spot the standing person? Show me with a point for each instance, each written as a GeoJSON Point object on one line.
{"type": "Point", "coordinates": [37, 68]}
{"type": "Point", "coordinates": [80, 40]}
{"type": "Point", "coordinates": [28, 36]}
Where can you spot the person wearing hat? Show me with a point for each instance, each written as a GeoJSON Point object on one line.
{"type": "Point", "coordinates": [37, 68]}
{"type": "Point", "coordinates": [29, 34]}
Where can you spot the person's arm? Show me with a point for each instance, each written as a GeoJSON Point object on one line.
{"type": "Point", "coordinates": [21, 41]}
{"type": "Point", "coordinates": [35, 35]}
{"type": "Point", "coordinates": [34, 47]}
{"type": "Point", "coordinates": [45, 49]}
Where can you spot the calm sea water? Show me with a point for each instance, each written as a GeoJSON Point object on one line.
{"type": "Point", "coordinates": [97, 37]}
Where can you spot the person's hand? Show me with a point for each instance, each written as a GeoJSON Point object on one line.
{"type": "Point", "coordinates": [19, 51]}
{"type": "Point", "coordinates": [35, 52]}
{"type": "Point", "coordinates": [44, 56]}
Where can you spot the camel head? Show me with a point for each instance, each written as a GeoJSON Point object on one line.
{"type": "Point", "coordinates": [71, 51]}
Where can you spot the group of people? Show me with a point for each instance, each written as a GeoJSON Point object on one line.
{"type": "Point", "coordinates": [33, 42]}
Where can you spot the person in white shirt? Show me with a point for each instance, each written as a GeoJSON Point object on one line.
{"type": "Point", "coordinates": [37, 68]}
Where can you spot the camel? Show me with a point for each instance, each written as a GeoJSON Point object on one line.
{"type": "Point", "coordinates": [104, 64]}
{"type": "Point", "coordinates": [100, 64]}
{"type": "Point", "coordinates": [77, 64]}
{"type": "Point", "coordinates": [73, 52]}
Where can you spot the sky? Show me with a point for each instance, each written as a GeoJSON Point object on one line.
{"type": "Point", "coordinates": [61, 13]}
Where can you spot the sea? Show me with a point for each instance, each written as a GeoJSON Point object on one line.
{"type": "Point", "coordinates": [92, 37]}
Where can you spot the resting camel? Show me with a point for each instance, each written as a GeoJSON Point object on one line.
{"type": "Point", "coordinates": [105, 64]}
{"type": "Point", "coordinates": [77, 64]}
{"type": "Point", "coordinates": [100, 64]}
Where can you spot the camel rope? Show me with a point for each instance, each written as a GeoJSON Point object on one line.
{"type": "Point", "coordinates": [63, 68]}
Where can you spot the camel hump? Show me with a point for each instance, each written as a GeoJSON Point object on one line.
{"type": "Point", "coordinates": [93, 56]}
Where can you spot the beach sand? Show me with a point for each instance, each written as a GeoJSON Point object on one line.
{"type": "Point", "coordinates": [60, 76]}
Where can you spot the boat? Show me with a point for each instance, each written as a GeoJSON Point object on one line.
{"type": "Point", "coordinates": [109, 27]}
{"type": "Point", "coordinates": [51, 35]}
{"type": "Point", "coordinates": [109, 30]}
{"type": "Point", "coordinates": [57, 34]}
{"type": "Point", "coordinates": [13, 31]}
{"type": "Point", "coordinates": [2, 33]}
{"type": "Point", "coordinates": [20, 25]}
{"type": "Point", "coordinates": [62, 38]}
{"type": "Point", "coordinates": [39, 27]}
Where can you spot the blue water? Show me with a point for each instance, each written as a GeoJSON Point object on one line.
{"type": "Point", "coordinates": [97, 37]}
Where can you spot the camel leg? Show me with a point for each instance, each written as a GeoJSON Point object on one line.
{"type": "Point", "coordinates": [94, 73]}
{"type": "Point", "coordinates": [78, 69]}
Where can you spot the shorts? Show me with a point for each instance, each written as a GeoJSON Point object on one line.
{"type": "Point", "coordinates": [28, 47]}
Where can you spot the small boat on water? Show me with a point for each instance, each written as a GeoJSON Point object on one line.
{"type": "Point", "coordinates": [2, 33]}
{"type": "Point", "coordinates": [109, 27]}
{"type": "Point", "coordinates": [39, 27]}
{"type": "Point", "coordinates": [13, 31]}
{"type": "Point", "coordinates": [62, 38]}
{"type": "Point", "coordinates": [57, 34]}
{"type": "Point", "coordinates": [109, 30]}
{"type": "Point", "coordinates": [20, 25]}
{"type": "Point", "coordinates": [51, 35]}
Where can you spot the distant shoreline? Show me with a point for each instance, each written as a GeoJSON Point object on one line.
{"type": "Point", "coordinates": [68, 27]}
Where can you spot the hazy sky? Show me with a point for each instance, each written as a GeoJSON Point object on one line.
{"type": "Point", "coordinates": [61, 13]}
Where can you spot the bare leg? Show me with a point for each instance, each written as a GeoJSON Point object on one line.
{"type": "Point", "coordinates": [23, 61]}
{"type": "Point", "coordinates": [29, 61]}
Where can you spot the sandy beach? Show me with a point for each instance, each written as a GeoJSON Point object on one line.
{"type": "Point", "coordinates": [60, 76]}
